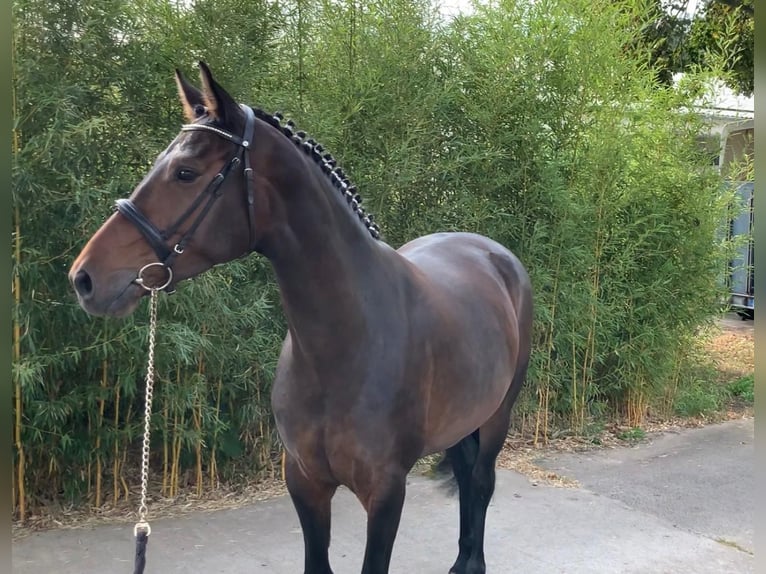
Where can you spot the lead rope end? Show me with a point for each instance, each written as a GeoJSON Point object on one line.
{"type": "Point", "coordinates": [142, 530]}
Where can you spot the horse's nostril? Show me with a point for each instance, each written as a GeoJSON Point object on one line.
{"type": "Point", "coordinates": [82, 283]}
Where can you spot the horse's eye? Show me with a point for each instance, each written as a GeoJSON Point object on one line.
{"type": "Point", "coordinates": [185, 174]}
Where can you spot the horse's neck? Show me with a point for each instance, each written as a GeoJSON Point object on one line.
{"type": "Point", "coordinates": [323, 289]}
{"type": "Point", "coordinates": [321, 297]}
{"type": "Point", "coordinates": [322, 260]}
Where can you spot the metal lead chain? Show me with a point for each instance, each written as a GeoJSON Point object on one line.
{"type": "Point", "coordinates": [142, 524]}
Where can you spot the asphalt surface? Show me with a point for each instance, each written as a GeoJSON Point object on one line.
{"type": "Point", "coordinates": [678, 503]}
{"type": "Point", "coordinates": [704, 486]}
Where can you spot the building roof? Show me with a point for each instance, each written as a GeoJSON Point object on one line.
{"type": "Point", "coordinates": [721, 102]}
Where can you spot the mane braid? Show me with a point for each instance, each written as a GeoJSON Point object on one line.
{"type": "Point", "coordinates": [326, 162]}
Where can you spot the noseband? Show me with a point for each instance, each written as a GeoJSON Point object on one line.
{"type": "Point", "coordinates": [158, 239]}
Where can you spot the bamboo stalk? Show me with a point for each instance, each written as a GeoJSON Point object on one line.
{"type": "Point", "coordinates": [89, 468]}
{"type": "Point", "coordinates": [352, 40]}
{"type": "Point", "coordinates": [125, 445]}
{"type": "Point", "coordinates": [574, 385]}
{"type": "Point", "coordinates": [176, 455]}
{"type": "Point", "coordinates": [543, 403]}
{"type": "Point", "coordinates": [123, 482]}
{"type": "Point", "coordinates": [198, 449]}
{"type": "Point", "coordinates": [175, 446]}
{"type": "Point", "coordinates": [20, 467]}
{"type": "Point", "coordinates": [541, 416]}
{"type": "Point", "coordinates": [213, 463]}
{"type": "Point", "coordinates": [590, 349]}
{"type": "Point", "coordinates": [300, 54]}
{"type": "Point", "coordinates": [197, 421]}
{"type": "Point", "coordinates": [171, 489]}
{"type": "Point", "coordinates": [19, 492]}
{"type": "Point", "coordinates": [165, 453]}
{"type": "Point", "coordinates": [260, 424]}
{"type": "Point", "coordinates": [672, 389]}
{"type": "Point", "coordinates": [636, 404]}
{"type": "Point", "coordinates": [116, 461]}
{"type": "Point", "coordinates": [197, 415]}
{"type": "Point", "coordinates": [272, 469]}
{"type": "Point", "coordinates": [13, 485]}
{"type": "Point", "coordinates": [177, 459]}
{"type": "Point", "coordinates": [101, 404]}
{"type": "Point", "coordinates": [213, 474]}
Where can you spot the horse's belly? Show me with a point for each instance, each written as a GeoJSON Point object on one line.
{"type": "Point", "coordinates": [472, 372]}
{"type": "Point", "coordinates": [453, 420]}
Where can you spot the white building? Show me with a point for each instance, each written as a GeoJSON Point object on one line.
{"type": "Point", "coordinates": [732, 132]}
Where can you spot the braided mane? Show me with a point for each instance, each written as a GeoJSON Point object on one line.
{"type": "Point", "coordinates": [325, 161]}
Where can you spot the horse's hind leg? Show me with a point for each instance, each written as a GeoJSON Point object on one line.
{"type": "Point", "coordinates": [312, 503]}
{"type": "Point", "coordinates": [462, 456]}
{"type": "Point", "coordinates": [492, 436]}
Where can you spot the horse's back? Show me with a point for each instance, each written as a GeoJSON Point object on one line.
{"type": "Point", "coordinates": [453, 259]}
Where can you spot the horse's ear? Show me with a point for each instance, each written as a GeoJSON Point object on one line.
{"type": "Point", "coordinates": [219, 103]}
{"type": "Point", "coordinates": [192, 99]}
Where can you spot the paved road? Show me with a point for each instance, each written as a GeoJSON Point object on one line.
{"type": "Point", "coordinates": [680, 503]}
{"type": "Point", "coordinates": [701, 480]}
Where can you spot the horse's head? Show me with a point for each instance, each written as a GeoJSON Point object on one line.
{"type": "Point", "coordinates": [194, 209]}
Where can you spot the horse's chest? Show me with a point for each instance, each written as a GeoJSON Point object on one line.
{"type": "Point", "coordinates": [332, 437]}
{"type": "Point", "coordinates": [312, 424]}
{"type": "Point", "coordinates": [321, 448]}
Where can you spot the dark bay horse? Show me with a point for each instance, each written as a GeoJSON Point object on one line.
{"type": "Point", "coordinates": [391, 354]}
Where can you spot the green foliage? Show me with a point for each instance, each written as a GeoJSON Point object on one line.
{"type": "Point", "coordinates": [633, 434]}
{"type": "Point", "coordinates": [718, 37]}
{"type": "Point", "coordinates": [700, 398]}
{"type": "Point", "coordinates": [724, 36]}
{"type": "Point", "coordinates": [528, 122]}
{"type": "Point", "coordinates": [86, 139]}
{"type": "Point", "coordinates": [663, 37]}
{"type": "Point", "coordinates": [743, 388]}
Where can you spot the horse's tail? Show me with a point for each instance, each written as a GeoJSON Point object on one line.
{"type": "Point", "coordinates": [459, 458]}
{"type": "Point", "coordinates": [442, 471]}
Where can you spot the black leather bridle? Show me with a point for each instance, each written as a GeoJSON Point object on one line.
{"type": "Point", "coordinates": [158, 239]}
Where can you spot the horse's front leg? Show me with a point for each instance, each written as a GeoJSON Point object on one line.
{"type": "Point", "coordinates": [383, 502]}
{"type": "Point", "coordinates": [311, 499]}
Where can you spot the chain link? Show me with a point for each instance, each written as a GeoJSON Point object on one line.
{"type": "Point", "coordinates": [142, 509]}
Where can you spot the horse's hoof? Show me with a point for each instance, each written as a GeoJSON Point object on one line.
{"type": "Point", "coordinates": [475, 569]}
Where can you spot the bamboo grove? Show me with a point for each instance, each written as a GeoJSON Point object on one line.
{"type": "Point", "coordinates": [530, 122]}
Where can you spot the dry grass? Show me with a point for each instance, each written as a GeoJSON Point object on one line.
{"type": "Point", "coordinates": [126, 512]}
{"type": "Point", "coordinates": [732, 352]}
{"type": "Point", "coordinates": [731, 348]}
{"type": "Point", "coordinates": [519, 456]}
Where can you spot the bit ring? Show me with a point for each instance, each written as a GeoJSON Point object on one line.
{"type": "Point", "coordinates": [140, 280]}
